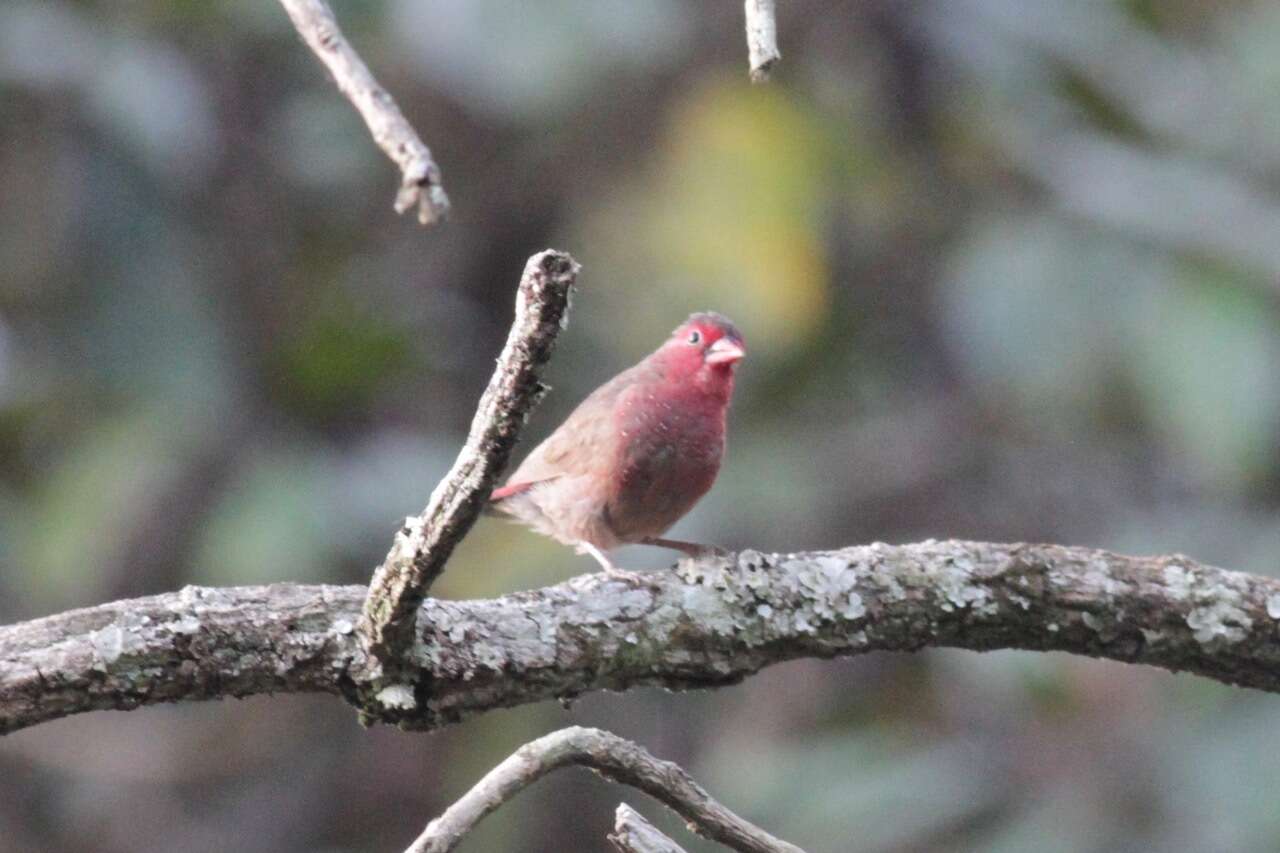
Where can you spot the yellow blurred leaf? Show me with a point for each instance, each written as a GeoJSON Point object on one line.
{"type": "Point", "coordinates": [728, 216]}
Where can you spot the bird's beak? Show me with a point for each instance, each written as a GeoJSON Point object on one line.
{"type": "Point", "coordinates": [725, 351]}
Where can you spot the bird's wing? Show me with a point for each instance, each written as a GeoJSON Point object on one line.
{"type": "Point", "coordinates": [587, 441]}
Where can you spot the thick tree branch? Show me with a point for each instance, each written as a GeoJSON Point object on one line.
{"type": "Point", "coordinates": [618, 760]}
{"type": "Point", "coordinates": [423, 545]}
{"type": "Point", "coordinates": [633, 834]}
{"type": "Point", "coordinates": [711, 623]}
{"type": "Point", "coordinates": [762, 38]}
{"type": "Point", "coordinates": [420, 182]}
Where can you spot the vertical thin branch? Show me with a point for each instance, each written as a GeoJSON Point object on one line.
{"type": "Point", "coordinates": [424, 544]}
{"type": "Point", "coordinates": [762, 38]}
{"type": "Point", "coordinates": [420, 183]}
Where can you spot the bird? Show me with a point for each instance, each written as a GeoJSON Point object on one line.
{"type": "Point", "coordinates": [636, 455]}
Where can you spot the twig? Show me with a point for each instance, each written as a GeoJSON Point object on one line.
{"type": "Point", "coordinates": [420, 183]}
{"type": "Point", "coordinates": [762, 38]}
{"type": "Point", "coordinates": [424, 544]}
{"type": "Point", "coordinates": [633, 834]}
{"type": "Point", "coordinates": [616, 759]}
{"type": "Point", "coordinates": [711, 624]}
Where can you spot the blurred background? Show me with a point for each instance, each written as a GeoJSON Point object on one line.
{"type": "Point", "coordinates": [1007, 269]}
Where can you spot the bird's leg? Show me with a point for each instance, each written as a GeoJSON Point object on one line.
{"type": "Point", "coordinates": [691, 549]}
{"type": "Point", "coordinates": [609, 568]}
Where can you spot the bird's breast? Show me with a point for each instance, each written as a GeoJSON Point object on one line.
{"type": "Point", "coordinates": [670, 452]}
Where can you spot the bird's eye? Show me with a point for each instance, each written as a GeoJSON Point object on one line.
{"type": "Point", "coordinates": [695, 336]}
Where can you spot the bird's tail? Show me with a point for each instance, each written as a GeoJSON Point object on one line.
{"type": "Point", "coordinates": [493, 506]}
{"type": "Point", "coordinates": [508, 490]}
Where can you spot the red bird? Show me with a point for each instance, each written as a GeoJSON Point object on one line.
{"type": "Point", "coordinates": [638, 453]}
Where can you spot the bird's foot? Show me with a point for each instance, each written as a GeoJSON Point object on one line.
{"type": "Point", "coordinates": [612, 571]}
{"type": "Point", "coordinates": [634, 578]}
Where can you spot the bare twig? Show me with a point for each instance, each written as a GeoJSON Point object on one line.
{"type": "Point", "coordinates": [633, 834]}
{"type": "Point", "coordinates": [420, 182]}
{"type": "Point", "coordinates": [762, 38]}
{"type": "Point", "coordinates": [614, 758]}
{"type": "Point", "coordinates": [713, 623]}
{"type": "Point", "coordinates": [424, 544]}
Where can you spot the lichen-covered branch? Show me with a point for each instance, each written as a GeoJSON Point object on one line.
{"type": "Point", "coordinates": [422, 547]}
{"type": "Point", "coordinates": [420, 182]}
{"type": "Point", "coordinates": [712, 622]}
{"type": "Point", "coordinates": [633, 834]}
{"type": "Point", "coordinates": [618, 760]}
{"type": "Point", "coordinates": [762, 38]}
{"type": "Point", "coordinates": [195, 644]}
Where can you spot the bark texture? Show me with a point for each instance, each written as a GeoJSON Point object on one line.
{"type": "Point", "coordinates": [633, 834]}
{"type": "Point", "coordinates": [709, 623]}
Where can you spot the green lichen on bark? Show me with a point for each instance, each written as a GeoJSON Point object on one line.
{"type": "Point", "coordinates": [708, 623]}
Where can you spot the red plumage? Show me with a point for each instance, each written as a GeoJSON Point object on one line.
{"type": "Point", "coordinates": [636, 454]}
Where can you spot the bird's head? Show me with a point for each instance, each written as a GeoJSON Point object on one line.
{"type": "Point", "coordinates": [703, 350]}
